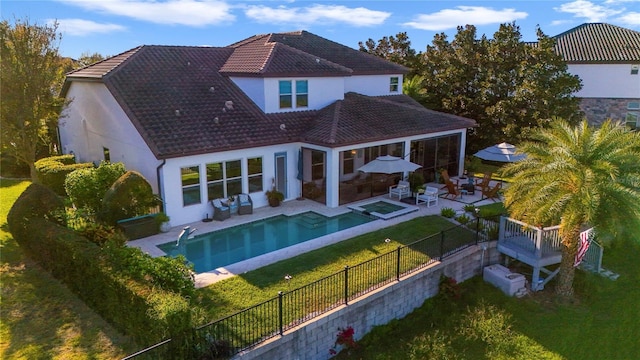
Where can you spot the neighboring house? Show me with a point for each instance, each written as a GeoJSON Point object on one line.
{"type": "Point", "coordinates": [271, 111]}
{"type": "Point", "coordinates": [607, 59]}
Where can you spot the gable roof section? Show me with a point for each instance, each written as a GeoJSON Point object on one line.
{"type": "Point", "coordinates": [102, 68]}
{"type": "Point", "coordinates": [599, 43]}
{"type": "Point", "coordinates": [359, 118]}
{"type": "Point", "coordinates": [272, 59]}
{"type": "Point", "coordinates": [177, 100]}
{"type": "Point", "coordinates": [333, 57]}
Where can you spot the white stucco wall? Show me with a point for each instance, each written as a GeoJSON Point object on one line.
{"type": "Point", "coordinates": [322, 92]}
{"type": "Point", "coordinates": [93, 121]}
{"type": "Point", "coordinates": [372, 85]}
{"type": "Point", "coordinates": [172, 180]}
{"type": "Point", "coordinates": [606, 80]}
{"type": "Point", "coordinates": [253, 88]}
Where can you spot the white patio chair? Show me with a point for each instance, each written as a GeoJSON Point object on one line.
{"type": "Point", "coordinates": [430, 196]}
{"type": "Point", "coordinates": [401, 190]}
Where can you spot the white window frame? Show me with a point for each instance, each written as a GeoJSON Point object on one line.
{"type": "Point", "coordinates": [394, 84]}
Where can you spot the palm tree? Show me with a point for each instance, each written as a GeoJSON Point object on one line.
{"type": "Point", "coordinates": [414, 87]}
{"type": "Point", "coordinates": [578, 176]}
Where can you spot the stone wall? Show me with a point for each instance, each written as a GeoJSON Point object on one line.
{"type": "Point", "coordinates": [597, 110]}
{"type": "Point", "coordinates": [312, 340]}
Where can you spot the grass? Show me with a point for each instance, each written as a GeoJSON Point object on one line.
{"type": "Point", "coordinates": [485, 324]}
{"type": "Point", "coordinates": [236, 293]}
{"type": "Point", "coordinates": [40, 318]}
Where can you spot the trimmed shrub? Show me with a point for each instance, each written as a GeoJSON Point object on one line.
{"type": "Point", "coordinates": [87, 187]}
{"type": "Point", "coordinates": [462, 219]}
{"type": "Point", "coordinates": [130, 196]}
{"type": "Point", "coordinates": [52, 171]}
{"type": "Point", "coordinates": [447, 212]}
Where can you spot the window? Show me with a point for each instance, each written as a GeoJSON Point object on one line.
{"type": "Point", "coordinates": [255, 174]}
{"type": "Point", "coordinates": [347, 161]}
{"type": "Point", "coordinates": [393, 85]}
{"type": "Point", "coordinates": [285, 94]}
{"type": "Point", "coordinates": [317, 165]}
{"type": "Point", "coordinates": [302, 93]}
{"type": "Point", "coordinates": [190, 185]}
{"type": "Point", "coordinates": [634, 69]}
{"type": "Point", "coordinates": [224, 179]}
{"type": "Point", "coordinates": [106, 154]}
{"type": "Point", "coordinates": [632, 120]}
{"type": "Point", "coordinates": [634, 105]}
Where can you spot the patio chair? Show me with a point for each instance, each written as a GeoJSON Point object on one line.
{"type": "Point", "coordinates": [492, 193]}
{"type": "Point", "coordinates": [444, 173]}
{"type": "Point", "coordinates": [483, 184]}
{"type": "Point", "coordinates": [220, 211]}
{"type": "Point", "coordinates": [429, 196]}
{"type": "Point", "coordinates": [245, 204]}
{"type": "Point", "coordinates": [452, 189]}
{"type": "Point", "coordinates": [403, 188]}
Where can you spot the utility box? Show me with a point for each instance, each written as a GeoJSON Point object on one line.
{"type": "Point", "coordinates": [502, 278]}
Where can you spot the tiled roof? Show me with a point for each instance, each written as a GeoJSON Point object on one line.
{"type": "Point", "coordinates": [599, 43]}
{"type": "Point", "coordinates": [360, 118]}
{"type": "Point", "coordinates": [315, 47]}
{"type": "Point", "coordinates": [101, 68]}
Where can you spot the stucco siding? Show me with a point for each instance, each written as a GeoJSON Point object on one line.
{"type": "Point", "coordinates": [372, 85]}
{"type": "Point", "coordinates": [606, 80]}
{"type": "Point", "coordinates": [322, 92]}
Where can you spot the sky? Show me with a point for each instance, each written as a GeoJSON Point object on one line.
{"type": "Point", "coordinates": [110, 27]}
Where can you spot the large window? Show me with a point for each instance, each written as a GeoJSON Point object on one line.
{"type": "Point", "coordinates": [224, 179]}
{"type": "Point", "coordinates": [317, 165]}
{"type": "Point", "coordinates": [190, 185]}
{"type": "Point", "coordinates": [285, 94]}
{"type": "Point", "coordinates": [347, 162]}
{"type": "Point", "coordinates": [393, 84]}
{"type": "Point", "coordinates": [302, 93]}
{"type": "Point", "coordinates": [255, 174]}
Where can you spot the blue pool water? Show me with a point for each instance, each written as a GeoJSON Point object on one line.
{"type": "Point", "coordinates": [220, 248]}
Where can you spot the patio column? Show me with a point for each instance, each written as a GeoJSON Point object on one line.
{"type": "Point", "coordinates": [333, 178]}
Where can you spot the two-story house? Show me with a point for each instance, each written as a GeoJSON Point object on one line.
{"type": "Point", "coordinates": [607, 60]}
{"type": "Point", "coordinates": [290, 111]}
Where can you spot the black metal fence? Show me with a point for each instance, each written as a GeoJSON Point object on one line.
{"type": "Point", "coordinates": [230, 335]}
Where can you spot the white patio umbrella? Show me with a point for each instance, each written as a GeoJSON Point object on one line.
{"type": "Point", "coordinates": [388, 165]}
{"type": "Point", "coordinates": [502, 152]}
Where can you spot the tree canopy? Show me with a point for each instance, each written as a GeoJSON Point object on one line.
{"type": "Point", "coordinates": [578, 176]}
{"type": "Point", "coordinates": [31, 76]}
{"type": "Point", "coordinates": [508, 86]}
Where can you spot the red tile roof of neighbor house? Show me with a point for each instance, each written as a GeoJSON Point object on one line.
{"type": "Point", "coordinates": [183, 103]}
{"type": "Point", "coordinates": [599, 43]}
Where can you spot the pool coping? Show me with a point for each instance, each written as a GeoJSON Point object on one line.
{"type": "Point", "coordinates": [406, 208]}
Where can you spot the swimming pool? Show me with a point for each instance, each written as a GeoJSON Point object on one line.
{"type": "Point", "coordinates": [223, 247]}
{"type": "Point", "coordinates": [381, 207]}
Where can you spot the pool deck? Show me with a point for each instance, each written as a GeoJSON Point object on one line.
{"type": "Point", "coordinates": [292, 207]}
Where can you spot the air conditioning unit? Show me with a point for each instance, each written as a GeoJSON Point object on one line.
{"type": "Point", "coordinates": [502, 278]}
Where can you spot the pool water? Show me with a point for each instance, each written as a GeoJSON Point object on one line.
{"type": "Point", "coordinates": [223, 247]}
{"type": "Point", "coordinates": [382, 207]}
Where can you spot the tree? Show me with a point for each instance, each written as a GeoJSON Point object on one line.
{"type": "Point", "coordinates": [31, 76]}
{"type": "Point", "coordinates": [395, 49]}
{"type": "Point", "coordinates": [576, 176]}
{"type": "Point", "coordinates": [508, 86]}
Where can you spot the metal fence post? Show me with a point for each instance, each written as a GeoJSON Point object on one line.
{"type": "Point", "coordinates": [280, 315]}
{"type": "Point", "coordinates": [346, 285]}
{"type": "Point", "coordinates": [441, 245]}
{"type": "Point", "coordinates": [398, 265]}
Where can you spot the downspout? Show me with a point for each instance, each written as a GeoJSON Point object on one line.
{"type": "Point", "coordinates": [160, 192]}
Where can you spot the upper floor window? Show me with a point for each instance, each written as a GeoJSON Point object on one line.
{"type": "Point", "coordinates": [634, 69]}
{"type": "Point", "coordinates": [393, 85]}
{"type": "Point", "coordinates": [285, 94]}
{"type": "Point", "coordinates": [302, 93]}
{"type": "Point", "coordinates": [190, 185]}
{"type": "Point", "coordinates": [286, 90]}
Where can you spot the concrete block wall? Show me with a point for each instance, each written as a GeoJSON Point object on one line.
{"type": "Point", "coordinates": [313, 339]}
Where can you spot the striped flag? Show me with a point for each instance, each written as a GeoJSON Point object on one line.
{"type": "Point", "coordinates": [583, 246]}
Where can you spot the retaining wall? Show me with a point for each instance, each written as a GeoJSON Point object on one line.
{"type": "Point", "coordinates": [312, 340]}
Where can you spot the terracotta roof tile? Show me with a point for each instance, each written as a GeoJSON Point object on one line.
{"type": "Point", "coordinates": [599, 43]}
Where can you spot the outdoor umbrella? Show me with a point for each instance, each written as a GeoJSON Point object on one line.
{"type": "Point", "coordinates": [388, 165]}
{"type": "Point", "coordinates": [502, 153]}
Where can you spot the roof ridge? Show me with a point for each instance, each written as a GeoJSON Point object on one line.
{"type": "Point", "coordinates": [334, 123]}
{"type": "Point", "coordinates": [131, 52]}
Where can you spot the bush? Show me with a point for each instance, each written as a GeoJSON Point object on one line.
{"type": "Point", "coordinates": [447, 212]}
{"type": "Point", "coordinates": [470, 208]}
{"type": "Point", "coordinates": [463, 219]}
{"type": "Point", "coordinates": [101, 234]}
{"type": "Point", "coordinates": [86, 187]}
{"type": "Point", "coordinates": [52, 171]}
{"type": "Point", "coordinates": [130, 196]}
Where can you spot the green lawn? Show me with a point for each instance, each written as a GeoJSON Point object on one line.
{"type": "Point", "coordinates": [603, 322]}
{"type": "Point", "coordinates": [40, 318]}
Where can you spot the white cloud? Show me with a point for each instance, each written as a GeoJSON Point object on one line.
{"type": "Point", "coordinates": [630, 18]}
{"type": "Point", "coordinates": [316, 14]}
{"type": "Point", "coordinates": [588, 10]}
{"type": "Point", "coordinates": [172, 12]}
{"type": "Point", "coordinates": [560, 22]}
{"type": "Point", "coordinates": [79, 27]}
{"type": "Point", "coordinates": [462, 15]}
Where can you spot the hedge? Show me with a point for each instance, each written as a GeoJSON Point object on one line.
{"type": "Point", "coordinates": [52, 171]}
{"type": "Point", "coordinates": [143, 311]}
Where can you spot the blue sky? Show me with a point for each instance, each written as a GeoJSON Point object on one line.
{"type": "Point", "coordinates": [110, 27]}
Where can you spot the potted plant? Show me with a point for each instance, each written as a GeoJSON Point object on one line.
{"type": "Point", "coordinates": [274, 196]}
{"type": "Point", "coordinates": [416, 182]}
{"type": "Point", "coordinates": [162, 220]}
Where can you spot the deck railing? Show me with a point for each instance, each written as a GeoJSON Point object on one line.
{"type": "Point", "coordinates": [538, 241]}
{"type": "Point", "coordinates": [232, 334]}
